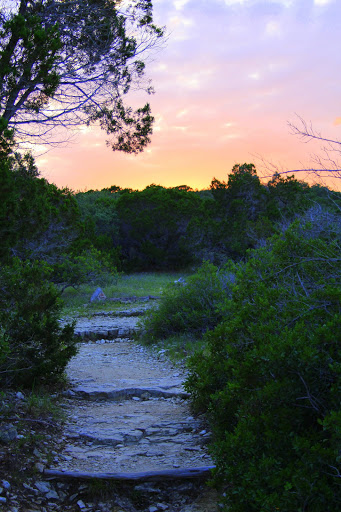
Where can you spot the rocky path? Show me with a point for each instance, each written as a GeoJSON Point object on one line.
{"type": "Point", "coordinates": [128, 413]}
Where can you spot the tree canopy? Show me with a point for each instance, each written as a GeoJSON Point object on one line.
{"type": "Point", "coordinates": [65, 63]}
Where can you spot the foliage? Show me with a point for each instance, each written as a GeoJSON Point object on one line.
{"type": "Point", "coordinates": [64, 64]}
{"type": "Point", "coordinates": [36, 348]}
{"type": "Point", "coordinates": [42, 243]}
{"type": "Point", "coordinates": [270, 375]}
{"type": "Point", "coordinates": [90, 266]}
{"type": "Point", "coordinates": [100, 220]}
{"type": "Point", "coordinates": [192, 226]}
{"type": "Point", "coordinates": [154, 227]}
{"type": "Point", "coordinates": [37, 220]}
{"type": "Point", "coordinates": [191, 306]}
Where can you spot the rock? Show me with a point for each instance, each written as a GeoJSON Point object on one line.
{"type": "Point", "coordinates": [2, 499]}
{"type": "Point", "coordinates": [153, 509]}
{"type": "Point", "coordinates": [81, 504]}
{"type": "Point", "coordinates": [8, 433]}
{"type": "Point", "coordinates": [147, 488]}
{"type": "Point", "coordinates": [162, 506]}
{"type": "Point", "coordinates": [133, 437]}
{"type": "Point", "coordinates": [44, 487]}
{"type": "Point", "coordinates": [180, 282]}
{"type": "Point", "coordinates": [52, 495]}
{"type": "Point", "coordinates": [20, 396]}
{"type": "Point", "coordinates": [28, 487]}
{"type": "Point", "coordinates": [6, 485]}
{"type": "Point", "coordinates": [98, 295]}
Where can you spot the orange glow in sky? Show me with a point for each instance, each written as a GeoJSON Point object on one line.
{"type": "Point", "coordinates": [230, 77]}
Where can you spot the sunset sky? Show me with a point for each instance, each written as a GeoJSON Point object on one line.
{"type": "Point", "coordinates": [230, 77]}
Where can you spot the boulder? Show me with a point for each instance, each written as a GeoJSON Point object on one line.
{"type": "Point", "coordinates": [98, 295]}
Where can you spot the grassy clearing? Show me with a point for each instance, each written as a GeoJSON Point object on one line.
{"type": "Point", "coordinates": [77, 301]}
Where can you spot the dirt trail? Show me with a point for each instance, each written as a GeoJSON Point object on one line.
{"type": "Point", "coordinates": [127, 409]}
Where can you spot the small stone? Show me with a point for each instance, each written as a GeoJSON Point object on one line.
{"type": "Point", "coordinates": [44, 487]}
{"type": "Point", "coordinates": [28, 487]}
{"type": "Point", "coordinates": [136, 398]}
{"type": "Point", "coordinates": [69, 393]}
{"type": "Point", "coordinates": [52, 495]}
{"type": "Point", "coordinates": [20, 396]}
{"type": "Point", "coordinates": [36, 453]}
{"type": "Point", "coordinates": [6, 484]}
{"type": "Point", "coordinates": [162, 506]}
{"type": "Point", "coordinates": [202, 432]}
{"type": "Point", "coordinates": [2, 499]}
{"type": "Point", "coordinates": [8, 433]}
{"type": "Point", "coordinates": [152, 509]}
{"type": "Point", "coordinates": [81, 504]}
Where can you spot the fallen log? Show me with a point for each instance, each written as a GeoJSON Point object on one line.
{"type": "Point", "coordinates": [145, 476]}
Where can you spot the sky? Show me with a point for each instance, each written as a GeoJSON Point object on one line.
{"type": "Point", "coordinates": [228, 80]}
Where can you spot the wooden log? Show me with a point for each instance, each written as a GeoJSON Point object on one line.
{"type": "Point", "coordinates": [145, 476]}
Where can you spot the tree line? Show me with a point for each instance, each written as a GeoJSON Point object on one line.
{"type": "Point", "coordinates": [177, 227]}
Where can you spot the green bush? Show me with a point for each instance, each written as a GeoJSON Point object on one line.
{"type": "Point", "coordinates": [270, 375]}
{"type": "Point", "coordinates": [88, 266]}
{"type": "Point", "coordinates": [190, 306]}
{"type": "Point", "coordinates": [34, 348]}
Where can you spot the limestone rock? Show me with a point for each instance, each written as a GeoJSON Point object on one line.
{"type": "Point", "coordinates": [98, 295]}
{"type": "Point", "coordinates": [8, 433]}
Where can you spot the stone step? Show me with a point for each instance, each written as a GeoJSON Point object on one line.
{"type": "Point", "coordinates": [103, 326]}
{"type": "Point", "coordinates": [132, 436]}
{"type": "Point", "coordinates": [119, 314]}
{"type": "Point", "coordinates": [117, 395]}
{"type": "Point", "coordinates": [105, 334]}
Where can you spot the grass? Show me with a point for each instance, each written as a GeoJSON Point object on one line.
{"type": "Point", "coordinates": [77, 301]}
{"type": "Point", "coordinates": [177, 347]}
{"type": "Point", "coordinates": [34, 404]}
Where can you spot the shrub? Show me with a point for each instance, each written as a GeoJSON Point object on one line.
{"type": "Point", "coordinates": [190, 307]}
{"type": "Point", "coordinates": [34, 348]}
{"type": "Point", "coordinates": [270, 375]}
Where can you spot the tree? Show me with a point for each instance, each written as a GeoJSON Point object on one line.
{"type": "Point", "coordinates": [328, 166]}
{"type": "Point", "coordinates": [241, 203]}
{"type": "Point", "coordinates": [65, 63]}
{"type": "Point", "coordinates": [164, 244]}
